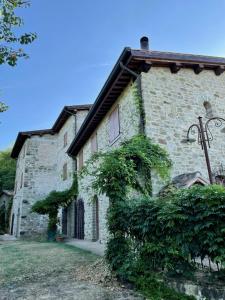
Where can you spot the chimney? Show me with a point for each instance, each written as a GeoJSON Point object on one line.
{"type": "Point", "coordinates": [144, 43]}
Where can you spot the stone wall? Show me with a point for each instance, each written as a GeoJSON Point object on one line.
{"type": "Point", "coordinates": [71, 127]}
{"type": "Point", "coordinates": [129, 121]}
{"type": "Point", "coordinates": [38, 166]}
{"type": "Point", "coordinates": [40, 170]}
{"type": "Point", "coordinates": [172, 103]}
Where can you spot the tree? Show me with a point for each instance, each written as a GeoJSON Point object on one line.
{"type": "Point", "coordinates": [10, 42]}
{"type": "Point", "coordinates": [8, 23]}
{"type": "Point", "coordinates": [7, 170]}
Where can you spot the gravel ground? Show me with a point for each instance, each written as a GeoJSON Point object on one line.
{"type": "Point", "coordinates": [31, 270]}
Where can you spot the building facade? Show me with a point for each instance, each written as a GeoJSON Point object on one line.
{"type": "Point", "coordinates": [173, 91]}
{"type": "Point", "coordinates": [43, 166]}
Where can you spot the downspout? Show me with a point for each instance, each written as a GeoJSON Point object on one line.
{"type": "Point", "coordinates": [75, 132]}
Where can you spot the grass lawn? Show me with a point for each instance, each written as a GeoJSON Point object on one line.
{"type": "Point", "coordinates": [20, 261]}
{"type": "Point", "coordinates": [54, 271]}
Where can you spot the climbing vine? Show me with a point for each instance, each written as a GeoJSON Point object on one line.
{"type": "Point", "coordinates": [138, 101]}
{"type": "Point", "coordinates": [128, 167]}
{"type": "Point", "coordinates": [50, 205]}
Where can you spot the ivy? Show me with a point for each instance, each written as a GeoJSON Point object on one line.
{"type": "Point", "coordinates": [150, 238]}
{"type": "Point", "coordinates": [129, 252]}
{"type": "Point", "coordinates": [128, 167]}
{"type": "Point", "coordinates": [50, 205]}
{"type": "Point", "coordinates": [138, 101]}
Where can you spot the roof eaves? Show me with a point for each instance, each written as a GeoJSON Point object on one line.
{"type": "Point", "coordinates": [125, 55]}
{"type": "Point", "coordinates": [66, 112]}
{"type": "Point", "coordinates": [23, 135]}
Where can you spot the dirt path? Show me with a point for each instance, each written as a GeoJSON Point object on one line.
{"type": "Point", "coordinates": [30, 270]}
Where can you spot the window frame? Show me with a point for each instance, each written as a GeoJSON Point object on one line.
{"type": "Point", "coordinates": [65, 172]}
{"type": "Point", "coordinates": [112, 123]}
{"type": "Point", "coordinates": [94, 143]}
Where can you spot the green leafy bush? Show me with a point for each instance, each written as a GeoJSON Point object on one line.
{"type": "Point", "coordinates": [170, 233]}
{"type": "Point", "coordinates": [128, 167]}
{"type": "Point", "coordinates": [52, 203]}
{"type": "Point", "coordinates": [152, 236]}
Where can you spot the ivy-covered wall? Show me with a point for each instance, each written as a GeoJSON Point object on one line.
{"type": "Point", "coordinates": [129, 126]}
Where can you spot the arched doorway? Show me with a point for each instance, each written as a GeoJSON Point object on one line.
{"type": "Point", "coordinates": [79, 219]}
{"type": "Point", "coordinates": [95, 219]}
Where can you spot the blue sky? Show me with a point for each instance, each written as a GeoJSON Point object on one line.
{"type": "Point", "coordinates": [78, 44]}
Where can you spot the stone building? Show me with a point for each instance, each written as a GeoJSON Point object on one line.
{"type": "Point", "coordinates": [43, 166]}
{"type": "Point", "coordinates": [175, 89]}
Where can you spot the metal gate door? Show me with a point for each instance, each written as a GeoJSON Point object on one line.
{"type": "Point", "coordinates": [79, 219]}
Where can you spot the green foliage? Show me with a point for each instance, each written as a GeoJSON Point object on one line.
{"type": "Point", "coordinates": [166, 235]}
{"type": "Point", "coordinates": [128, 167]}
{"type": "Point", "coordinates": [9, 21]}
{"type": "Point", "coordinates": [195, 218]}
{"type": "Point", "coordinates": [7, 170]}
{"type": "Point", "coordinates": [5, 211]}
{"type": "Point", "coordinates": [154, 289]}
{"type": "Point", "coordinates": [115, 173]}
{"type": "Point", "coordinates": [53, 202]}
{"type": "Point", "coordinates": [11, 41]}
{"type": "Point", "coordinates": [3, 107]}
{"type": "Point", "coordinates": [139, 104]}
{"type": "Point", "coordinates": [152, 236]}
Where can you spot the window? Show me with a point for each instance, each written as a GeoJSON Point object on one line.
{"type": "Point", "coordinates": [114, 125]}
{"type": "Point", "coordinates": [21, 181]}
{"type": "Point", "coordinates": [65, 139]}
{"type": "Point", "coordinates": [65, 171]}
{"type": "Point", "coordinates": [94, 144]}
{"type": "Point", "coordinates": [80, 160]}
{"type": "Point", "coordinates": [208, 109]}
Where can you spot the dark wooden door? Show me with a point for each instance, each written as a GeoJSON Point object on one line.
{"type": "Point", "coordinates": [95, 222]}
{"type": "Point", "coordinates": [12, 225]}
{"type": "Point", "coordinates": [79, 219]}
{"type": "Point", "coordinates": [64, 221]}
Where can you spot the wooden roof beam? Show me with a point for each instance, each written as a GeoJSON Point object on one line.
{"type": "Point", "coordinates": [219, 70]}
{"type": "Point", "coordinates": [198, 68]}
{"type": "Point", "coordinates": [145, 66]}
{"type": "Point", "coordinates": [175, 67]}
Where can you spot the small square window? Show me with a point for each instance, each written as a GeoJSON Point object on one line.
{"type": "Point", "coordinates": [65, 171]}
